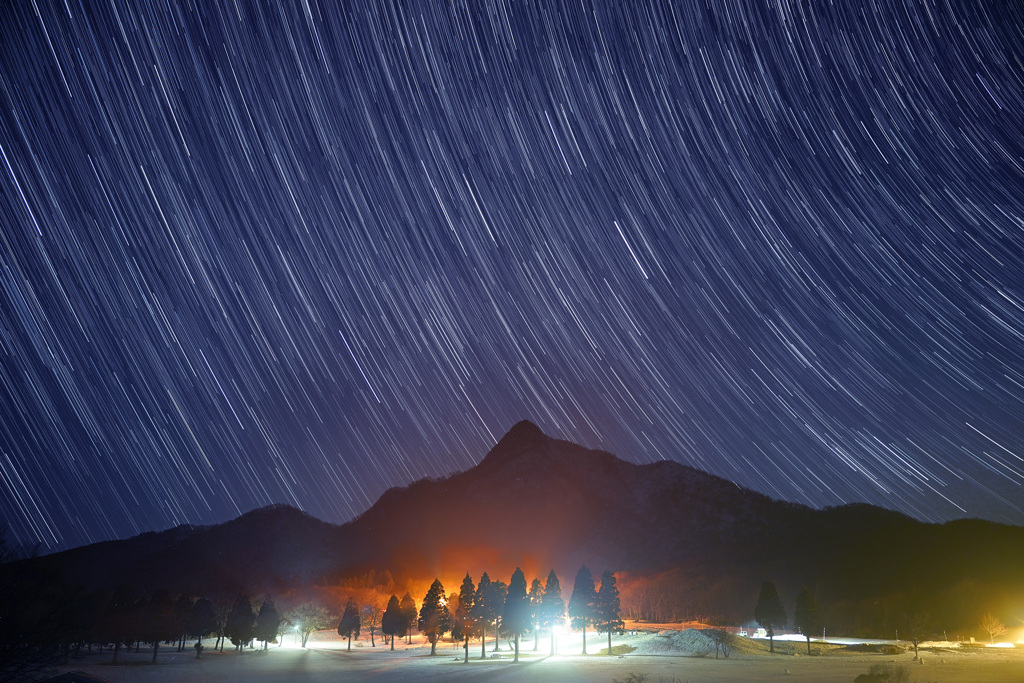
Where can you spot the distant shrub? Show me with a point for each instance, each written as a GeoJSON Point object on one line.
{"type": "Point", "coordinates": [632, 678]}
{"type": "Point", "coordinates": [885, 673]}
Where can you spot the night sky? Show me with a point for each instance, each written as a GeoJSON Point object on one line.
{"type": "Point", "coordinates": [304, 252]}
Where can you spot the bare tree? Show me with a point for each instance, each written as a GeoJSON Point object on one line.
{"type": "Point", "coordinates": [723, 641]}
{"type": "Point", "coordinates": [309, 617]}
{"type": "Point", "coordinates": [991, 625]}
{"type": "Point", "coordinates": [917, 626]}
{"type": "Point", "coordinates": [373, 610]}
{"type": "Point", "coordinates": [220, 615]}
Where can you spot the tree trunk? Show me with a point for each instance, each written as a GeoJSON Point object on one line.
{"type": "Point", "coordinates": [516, 658]}
{"type": "Point", "coordinates": [771, 642]}
{"type": "Point", "coordinates": [350, 642]}
{"type": "Point", "coordinates": [156, 646]}
{"type": "Point", "coordinates": [552, 641]}
{"type": "Point", "coordinates": [483, 644]}
{"type": "Point", "coordinates": [584, 639]}
{"type": "Point", "coordinates": [809, 646]}
{"type": "Point", "coordinates": [466, 648]}
{"type": "Point", "coordinates": [433, 646]}
{"type": "Point", "coordinates": [117, 648]}
{"type": "Point", "coordinates": [610, 641]}
{"type": "Point", "coordinates": [372, 643]}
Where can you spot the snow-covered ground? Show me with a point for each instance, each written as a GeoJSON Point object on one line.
{"type": "Point", "coordinates": [665, 655]}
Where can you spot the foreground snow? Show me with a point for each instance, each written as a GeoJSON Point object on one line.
{"type": "Point", "coordinates": [663, 654]}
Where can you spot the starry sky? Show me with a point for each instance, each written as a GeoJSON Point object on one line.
{"type": "Point", "coordinates": [301, 252]}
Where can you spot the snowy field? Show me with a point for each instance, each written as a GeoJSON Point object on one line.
{"type": "Point", "coordinates": [665, 655]}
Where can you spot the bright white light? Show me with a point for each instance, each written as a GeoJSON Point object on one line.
{"type": "Point", "coordinates": [1010, 645]}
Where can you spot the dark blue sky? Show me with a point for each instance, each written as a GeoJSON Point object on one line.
{"type": "Point", "coordinates": [304, 252]}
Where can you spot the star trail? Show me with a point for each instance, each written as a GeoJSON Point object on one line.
{"type": "Point", "coordinates": [303, 252]}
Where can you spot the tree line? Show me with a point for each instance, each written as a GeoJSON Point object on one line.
{"type": "Point", "coordinates": [907, 619]}
{"type": "Point", "coordinates": [43, 624]}
{"type": "Point", "coordinates": [511, 610]}
{"type": "Point", "coordinates": [126, 621]}
{"type": "Point", "coordinates": [496, 609]}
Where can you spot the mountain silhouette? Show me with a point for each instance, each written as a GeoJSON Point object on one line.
{"type": "Point", "coordinates": [540, 503]}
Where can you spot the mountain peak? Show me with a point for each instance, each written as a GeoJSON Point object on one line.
{"type": "Point", "coordinates": [524, 430]}
{"type": "Point", "coordinates": [523, 437]}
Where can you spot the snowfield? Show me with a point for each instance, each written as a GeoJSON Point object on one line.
{"type": "Point", "coordinates": [666, 655]}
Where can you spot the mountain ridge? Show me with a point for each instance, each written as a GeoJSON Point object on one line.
{"type": "Point", "coordinates": [541, 503]}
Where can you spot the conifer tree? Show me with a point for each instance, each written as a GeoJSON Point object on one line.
{"type": "Point", "coordinates": [409, 612]}
{"type": "Point", "coordinates": [240, 622]}
{"type": "Point", "coordinates": [806, 615]}
{"type": "Point", "coordinates": [158, 620]}
{"type": "Point", "coordinates": [552, 612]}
{"type": "Point", "coordinates": [434, 619]}
{"type": "Point", "coordinates": [499, 591]}
{"type": "Point", "coordinates": [392, 624]}
{"type": "Point", "coordinates": [464, 615]}
{"type": "Point", "coordinates": [515, 617]}
{"type": "Point", "coordinates": [267, 622]}
{"type": "Point", "coordinates": [484, 610]}
{"type": "Point", "coordinates": [581, 603]}
{"type": "Point", "coordinates": [455, 634]}
{"type": "Point", "coordinates": [202, 620]}
{"type": "Point", "coordinates": [606, 607]}
{"type": "Point", "coordinates": [349, 624]}
{"type": "Point", "coordinates": [769, 612]}
{"type": "Point", "coordinates": [536, 595]}
{"type": "Point", "coordinates": [118, 623]}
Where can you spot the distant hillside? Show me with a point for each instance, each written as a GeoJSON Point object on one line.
{"type": "Point", "coordinates": [263, 549]}
{"type": "Point", "coordinates": [560, 504]}
{"type": "Point", "coordinates": [543, 503]}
